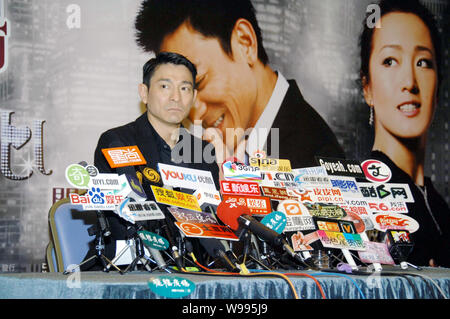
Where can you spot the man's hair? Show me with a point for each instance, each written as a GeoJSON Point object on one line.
{"type": "Point", "coordinates": [212, 18]}
{"type": "Point", "coordinates": [166, 58]}
{"type": "Point", "coordinates": [402, 6]}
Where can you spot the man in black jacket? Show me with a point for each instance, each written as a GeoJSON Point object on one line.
{"type": "Point", "coordinates": [239, 95]}
{"type": "Point", "coordinates": [168, 90]}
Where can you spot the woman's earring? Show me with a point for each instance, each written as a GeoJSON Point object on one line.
{"type": "Point", "coordinates": [371, 116]}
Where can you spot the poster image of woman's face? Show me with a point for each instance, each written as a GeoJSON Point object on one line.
{"type": "Point", "coordinates": [402, 82]}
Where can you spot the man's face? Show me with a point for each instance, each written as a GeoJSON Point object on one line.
{"type": "Point", "coordinates": [227, 88]}
{"type": "Point", "coordinates": [170, 96]}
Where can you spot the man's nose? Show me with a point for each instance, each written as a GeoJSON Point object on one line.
{"type": "Point", "coordinates": [175, 95]}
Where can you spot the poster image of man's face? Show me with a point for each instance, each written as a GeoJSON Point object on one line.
{"type": "Point", "coordinates": [228, 90]}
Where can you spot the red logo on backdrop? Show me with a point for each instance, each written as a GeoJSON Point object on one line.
{"type": "Point", "coordinates": [258, 205]}
{"type": "Point", "coordinates": [240, 188]}
{"type": "Point", "coordinates": [3, 43]}
{"type": "Point", "coordinates": [376, 171]}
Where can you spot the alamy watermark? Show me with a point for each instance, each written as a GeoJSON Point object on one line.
{"type": "Point", "coordinates": [73, 20]}
{"type": "Point", "coordinates": [374, 19]}
{"type": "Point", "coordinates": [74, 278]}
{"type": "Point", "coordinates": [251, 140]}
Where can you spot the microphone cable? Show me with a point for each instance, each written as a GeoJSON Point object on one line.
{"type": "Point", "coordinates": [324, 272]}
{"type": "Point", "coordinates": [393, 274]}
{"type": "Point", "coordinates": [212, 272]}
{"type": "Point", "coordinates": [345, 276]}
{"type": "Point", "coordinates": [256, 272]}
{"type": "Point", "coordinates": [388, 274]}
{"type": "Point", "coordinates": [403, 275]}
{"type": "Point", "coordinates": [319, 286]}
{"type": "Point", "coordinates": [208, 269]}
{"type": "Point", "coordinates": [311, 277]}
{"type": "Point", "coordinates": [423, 277]}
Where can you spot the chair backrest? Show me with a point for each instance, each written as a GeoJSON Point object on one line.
{"type": "Point", "coordinates": [50, 257]}
{"type": "Point", "coordinates": [69, 226]}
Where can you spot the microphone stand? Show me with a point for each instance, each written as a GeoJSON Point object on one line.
{"type": "Point", "coordinates": [139, 251]}
{"type": "Point", "coordinates": [100, 231]}
{"type": "Point", "coordinates": [178, 258]}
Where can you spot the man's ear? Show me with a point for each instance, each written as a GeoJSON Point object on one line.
{"type": "Point", "coordinates": [143, 93]}
{"type": "Point", "coordinates": [244, 44]}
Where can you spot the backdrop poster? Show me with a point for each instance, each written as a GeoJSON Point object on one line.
{"type": "Point", "coordinates": [69, 70]}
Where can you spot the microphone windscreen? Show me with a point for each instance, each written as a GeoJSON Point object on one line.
{"type": "Point", "coordinates": [229, 212]}
{"type": "Point", "coordinates": [83, 163]}
{"type": "Point", "coordinates": [212, 246]}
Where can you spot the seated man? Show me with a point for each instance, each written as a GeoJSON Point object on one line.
{"type": "Point", "coordinates": [169, 91]}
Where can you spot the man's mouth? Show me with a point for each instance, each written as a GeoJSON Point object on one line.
{"type": "Point", "coordinates": [174, 108]}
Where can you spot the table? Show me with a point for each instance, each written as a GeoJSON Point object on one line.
{"type": "Point", "coordinates": [430, 283]}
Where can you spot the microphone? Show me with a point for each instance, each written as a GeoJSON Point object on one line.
{"type": "Point", "coordinates": [83, 163]}
{"type": "Point", "coordinates": [156, 254]}
{"type": "Point", "coordinates": [104, 225]}
{"type": "Point", "coordinates": [132, 188]}
{"type": "Point", "coordinates": [215, 249]}
{"type": "Point", "coordinates": [219, 248]}
{"type": "Point", "coordinates": [103, 222]}
{"type": "Point", "coordinates": [175, 253]}
{"type": "Point", "coordinates": [238, 217]}
{"type": "Point", "coordinates": [127, 172]}
{"type": "Point", "coordinates": [400, 245]}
